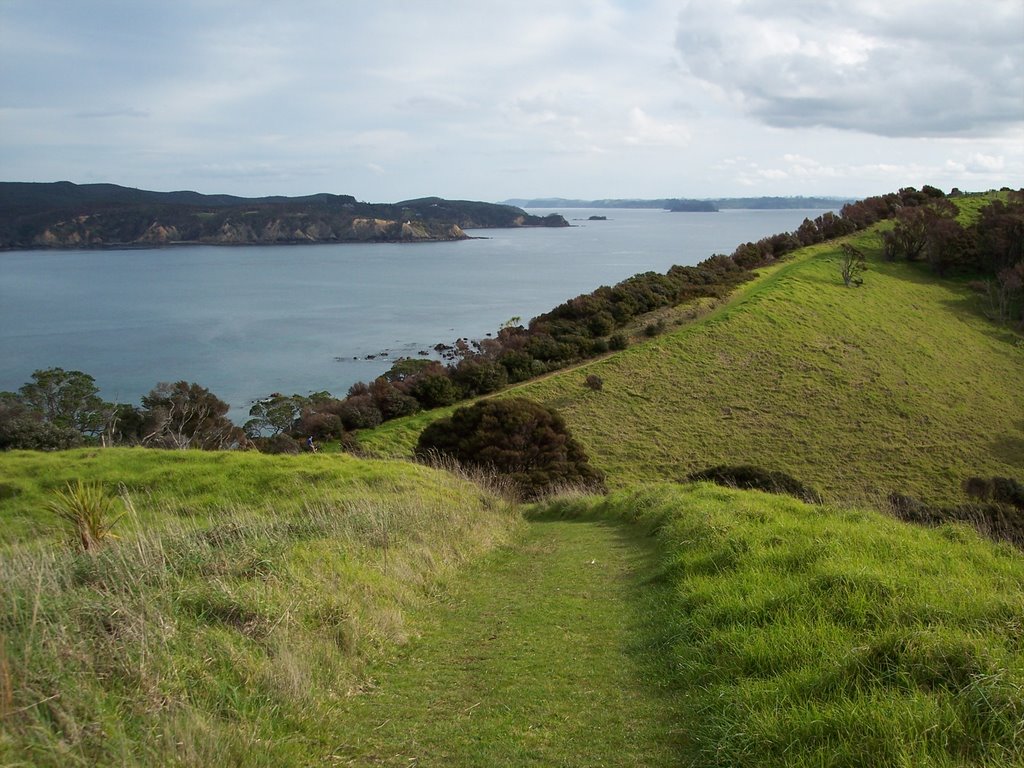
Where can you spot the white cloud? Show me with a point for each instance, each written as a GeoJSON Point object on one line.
{"type": "Point", "coordinates": [913, 68]}
{"type": "Point", "coordinates": [584, 98]}
{"type": "Point", "coordinates": [645, 130]}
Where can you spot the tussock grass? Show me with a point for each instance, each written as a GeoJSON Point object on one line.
{"type": "Point", "coordinates": [228, 636]}
{"type": "Point", "coordinates": [799, 635]}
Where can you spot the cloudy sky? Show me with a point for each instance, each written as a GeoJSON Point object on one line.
{"type": "Point", "coordinates": [580, 98]}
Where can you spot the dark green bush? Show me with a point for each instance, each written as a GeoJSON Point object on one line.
{"type": "Point", "coordinates": [360, 412]}
{"type": "Point", "coordinates": [517, 437]}
{"type": "Point", "coordinates": [278, 444]}
{"type": "Point", "coordinates": [617, 341]}
{"type": "Point", "coordinates": [758, 479]}
{"type": "Point", "coordinates": [1006, 490]}
{"type": "Point", "coordinates": [479, 377]}
{"type": "Point", "coordinates": [1001, 521]}
{"type": "Point", "coordinates": [435, 391]}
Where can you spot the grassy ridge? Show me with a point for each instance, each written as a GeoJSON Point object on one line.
{"type": "Point", "coordinates": [901, 385]}
{"type": "Point", "coordinates": [239, 605]}
{"type": "Point", "coordinates": [799, 635]}
{"type": "Point", "coordinates": [195, 485]}
{"type": "Point", "coordinates": [898, 385]}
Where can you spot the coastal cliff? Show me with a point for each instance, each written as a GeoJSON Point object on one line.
{"type": "Point", "coordinates": [66, 215]}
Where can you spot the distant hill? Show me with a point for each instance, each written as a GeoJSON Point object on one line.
{"type": "Point", "coordinates": [67, 215]}
{"type": "Point", "coordinates": [684, 204]}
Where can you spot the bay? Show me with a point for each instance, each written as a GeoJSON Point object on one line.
{"type": "Point", "coordinates": [247, 321]}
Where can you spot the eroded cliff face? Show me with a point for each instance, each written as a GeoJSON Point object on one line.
{"type": "Point", "coordinates": [95, 232]}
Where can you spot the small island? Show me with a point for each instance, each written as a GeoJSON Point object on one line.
{"type": "Point", "coordinates": [598, 218]}
{"type": "Point", "coordinates": [693, 206]}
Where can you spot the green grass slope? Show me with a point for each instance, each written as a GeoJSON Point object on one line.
{"type": "Point", "coordinates": [898, 385]}
{"type": "Point", "coordinates": [239, 604]}
{"type": "Point", "coordinates": [799, 635]}
{"type": "Point", "coordinates": [901, 385]}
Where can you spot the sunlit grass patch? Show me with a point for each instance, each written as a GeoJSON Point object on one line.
{"type": "Point", "coordinates": [810, 635]}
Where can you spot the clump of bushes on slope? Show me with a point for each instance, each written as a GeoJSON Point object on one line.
{"type": "Point", "coordinates": [61, 409]}
{"type": "Point", "coordinates": [519, 438]}
{"type": "Point", "coordinates": [796, 635]}
{"type": "Point", "coordinates": [991, 247]}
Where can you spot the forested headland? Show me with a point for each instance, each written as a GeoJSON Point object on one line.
{"type": "Point", "coordinates": [66, 215]}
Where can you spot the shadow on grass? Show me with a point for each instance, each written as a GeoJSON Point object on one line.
{"type": "Point", "coordinates": [1009, 448]}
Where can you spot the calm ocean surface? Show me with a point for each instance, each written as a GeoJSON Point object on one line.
{"type": "Point", "coordinates": [248, 321]}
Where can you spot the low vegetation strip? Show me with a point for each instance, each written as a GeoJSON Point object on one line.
{"type": "Point", "coordinates": [238, 605]}
{"type": "Point", "coordinates": [800, 635]}
{"type": "Point", "coordinates": [536, 659]}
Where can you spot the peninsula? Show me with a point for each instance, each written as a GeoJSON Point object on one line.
{"type": "Point", "coordinates": [67, 215]}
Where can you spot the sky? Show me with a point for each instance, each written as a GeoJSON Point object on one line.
{"type": "Point", "coordinates": [482, 100]}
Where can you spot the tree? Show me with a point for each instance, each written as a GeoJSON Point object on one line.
{"type": "Point", "coordinates": [518, 437]}
{"type": "Point", "coordinates": [22, 428]}
{"type": "Point", "coordinates": [435, 390]}
{"type": "Point", "coordinates": [274, 414]}
{"type": "Point", "coordinates": [851, 265]}
{"type": "Point", "coordinates": [360, 412]}
{"type": "Point", "coordinates": [392, 402]}
{"type": "Point", "coordinates": [1000, 230]}
{"type": "Point", "coordinates": [186, 415]}
{"type": "Point", "coordinates": [479, 377]}
{"type": "Point", "coordinates": [68, 400]}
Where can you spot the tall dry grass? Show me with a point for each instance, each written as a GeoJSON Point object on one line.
{"type": "Point", "coordinates": [196, 643]}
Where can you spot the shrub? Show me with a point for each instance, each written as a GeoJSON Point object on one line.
{"type": "Point", "coordinates": [617, 341]}
{"type": "Point", "coordinates": [278, 444]}
{"type": "Point", "coordinates": [22, 429]}
{"type": "Point", "coordinates": [654, 329]}
{"type": "Point", "coordinates": [360, 412]}
{"type": "Point", "coordinates": [479, 377]}
{"type": "Point", "coordinates": [435, 391]}
{"type": "Point", "coordinates": [1001, 490]}
{"type": "Point", "coordinates": [88, 509]}
{"type": "Point", "coordinates": [996, 519]}
{"type": "Point", "coordinates": [391, 401]}
{"type": "Point", "coordinates": [978, 487]}
{"type": "Point", "coordinates": [518, 437]}
{"type": "Point", "coordinates": [349, 443]}
{"type": "Point", "coordinates": [186, 415]}
{"type": "Point", "coordinates": [755, 478]}
{"type": "Point", "coordinates": [1005, 490]}
{"type": "Point", "coordinates": [322, 426]}
{"type": "Point", "coordinates": [594, 382]}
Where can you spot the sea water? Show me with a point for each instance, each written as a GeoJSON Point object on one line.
{"type": "Point", "coordinates": [247, 321]}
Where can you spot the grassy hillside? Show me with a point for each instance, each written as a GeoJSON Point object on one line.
{"type": "Point", "coordinates": [901, 385]}
{"type": "Point", "coordinates": [798, 635]}
{"type": "Point", "coordinates": [239, 604]}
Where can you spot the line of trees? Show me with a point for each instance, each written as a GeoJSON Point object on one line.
{"type": "Point", "coordinates": [61, 409]}
{"type": "Point", "coordinates": [991, 248]}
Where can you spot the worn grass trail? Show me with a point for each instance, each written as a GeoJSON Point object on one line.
{"type": "Point", "coordinates": [538, 657]}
